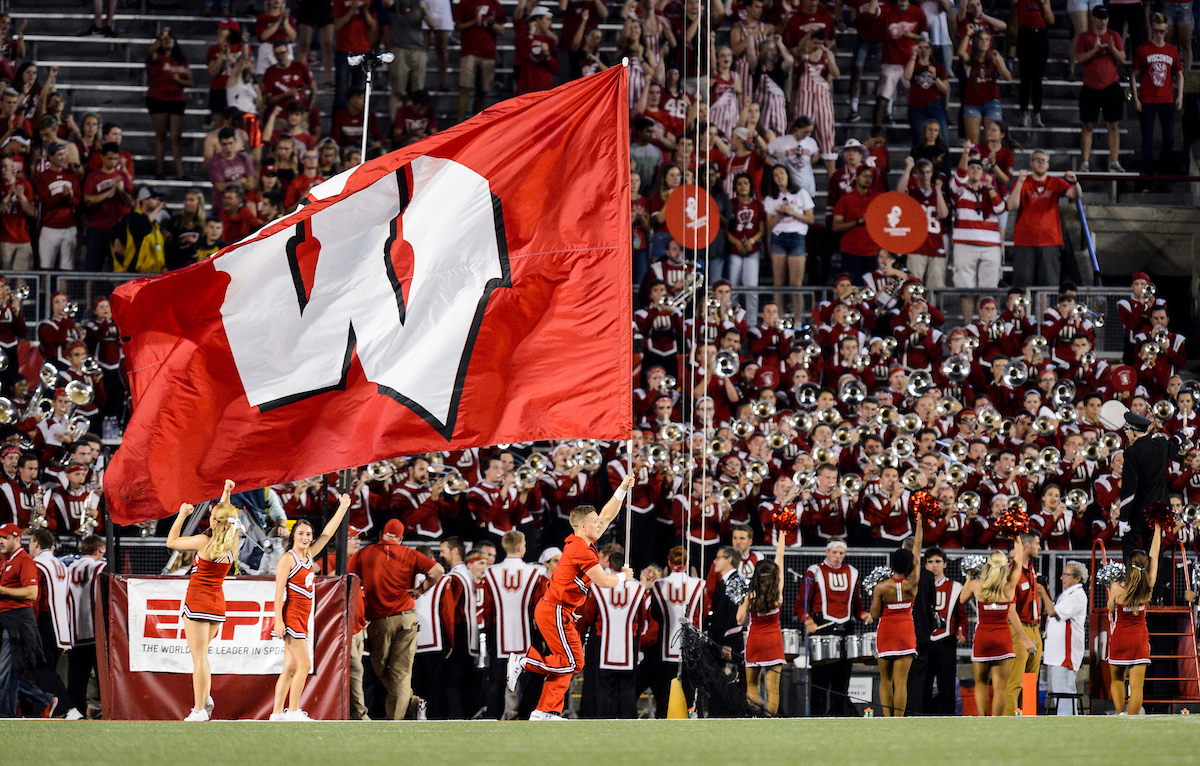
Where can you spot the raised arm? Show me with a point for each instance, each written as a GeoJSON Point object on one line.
{"type": "Point", "coordinates": [330, 528]}
{"type": "Point", "coordinates": [1155, 548]}
{"type": "Point", "coordinates": [190, 543]}
{"type": "Point", "coordinates": [605, 580]}
{"type": "Point", "coordinates": [915, 575]}
{"type": "Point", "coordinates": [613, 506]}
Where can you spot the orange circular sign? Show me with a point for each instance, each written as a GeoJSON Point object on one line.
{"type": "Point", "coordinates": [897, 222]}
{"type": "Point", "coordinates": [691, 215]}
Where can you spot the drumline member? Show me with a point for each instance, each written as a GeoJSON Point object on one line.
{"type": "Point", "coordinates": [992, 651]}
{"type": "Point", "coordinates": [555, 613]}
{"type": "Point", "coordinates": [204, 603]}
{"type": "Point", "coordinates": [674, 598]}
{"type": "Point", "coordinates": [764, 636]}
{"type": "Point", "coordinates": [896, 641]}
{"type": "Point", "coordinates": [294, 591]}
{"type": "Point", "coordinates": [1129, 642]}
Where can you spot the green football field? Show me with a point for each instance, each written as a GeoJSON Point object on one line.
{"type": "Point", "coordinates": [1089, 740]}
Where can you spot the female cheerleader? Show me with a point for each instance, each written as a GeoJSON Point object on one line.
{"type": "Point", "coordinates": [992, 652]}
{"type": "Point", "coordinates": [204, 604]}
{"type": "Point", "coordinates": [293, 604]}
{"type": "Point", "coordinates": [764, 638]}
{"type": "Point", "coordinates": [1129, 642]}
{"type": "Point", "coordinates": [896, 642]}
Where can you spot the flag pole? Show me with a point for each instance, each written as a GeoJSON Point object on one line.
{"type": "Point", "coordinates": [629, 505]}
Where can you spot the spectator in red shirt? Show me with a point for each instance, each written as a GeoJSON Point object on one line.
{"type": "Point", "coordinates": [850, 221]}
{"type": "Point", "coordinates": [747, 227]}
{"type": "Point", "coordinates": [58, 190]}
{"type": "Point", "coordinates": [537, 51]}
{"type": "Point", "coordinates": [1100, 51]}
{"type": "Point", "coordinates": [301, 183]}
{"type": "Point", "coordinates": [16, 205]}
{"type": "Point", "coordinates": [357, 30]}
{"type": "Point", "coordinates": [167, 69]}
{"type": "Point", "coordinates": [479, 22]}
{"type": "Point", "coordinates": [347, 127]}
{"type": "Point", "coordinates": [1037, 233]}
{"type": "Point", "coordinates": [388, 573]}
{"type": "Point", "coordinates": [1156, 69]}
{"type": "Point", "coordinates": [414, 121]}
{"type": "Point", "coordinates": [983, 66]}
{"type": "Point", "coordinates": [238, 217]}
{"type": "Point", "coordinates": [903, 24]}
{"type": "Point", "coordinates": [220, 59]}
{"type": "Point", "coordinates": [107, 196]}
{"type": "Point", "coordinates": [289, 82]}
{"type": "Point", "coordinates": [273, 25]}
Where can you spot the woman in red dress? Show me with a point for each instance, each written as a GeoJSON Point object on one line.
{"type": "Point", "coordinates": [1129, 641]}
{"type": "Point", "coordinates": [896, 641]}
{"type": "Point", "coordinates": [204, 604]}
{"type": "Point", "coordinates": [294, 577]}
{"type": "Point", "coordinates": [764, 637]}
{"type": "Point", "coordinates": [992, 652]}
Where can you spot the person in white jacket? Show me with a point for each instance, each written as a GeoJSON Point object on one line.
{"type": "Point", "coordinates": [1065, 635]}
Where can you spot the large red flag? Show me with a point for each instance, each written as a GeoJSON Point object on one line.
{"type": "Point", "coordinates": [471, 289]}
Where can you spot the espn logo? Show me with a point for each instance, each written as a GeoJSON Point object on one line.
{"type": "Point", "coordinates": [164, 620]}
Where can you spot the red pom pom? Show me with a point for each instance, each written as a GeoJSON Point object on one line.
{"type": "Point", "coordinates": [924, 503]}
{"type": "Point", "coordinates": [1012, 522]}
{"type": "Point", "coordinates": [1161, 514]}
{"type": "Point", "coordinates": [785, 519]}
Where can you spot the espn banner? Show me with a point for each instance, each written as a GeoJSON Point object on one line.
{"type": "Point", "coordinates": [143, 610]}
{"type": "Point", "coordinates": [244, 645]}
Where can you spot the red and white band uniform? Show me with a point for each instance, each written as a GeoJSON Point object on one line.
{"type": "Point", "coordinates": [457, 600]}
{"type": "Point", "coordinates": [430, 636]}
{"type": "Point", "coordinates": [67, 508]}
{"type": "Point", "coordinates": [555, 616]}
{"type": "Point", "coordinates": [764, 640]}
{"type": "Point", "coordinates": [833, 594]}
{"type": "Point", "coordinates": [205, 598]}
{"type": "Point", "coordinates": [23, 500]}
{"type": "Point", "coordinates": [420, 511]}
{"type": "Point", "coordinates": [81, 593]}
{"type": "Point", "coordinates": [993, 636]}
{"type": "Point", "coordinates": [675, 597]}
{"type": "Point", "coordinates": [946, 605]}
{"type": "Point", "coordinates": [52, 600]}
{"type": "Point", "coordinates": [896, 637]}
{"type": "Point", "coordinates": [298, 601]}
{"type": "Point", "coordinates": [618, 615]}
{"type": "Point", "coordinates": [1129, 640]}
{"type": "Point", "coordinates": [513, 587]}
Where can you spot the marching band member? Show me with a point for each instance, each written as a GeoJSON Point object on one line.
{"type": "Point", "coordinates": [512, 588]}
{"type": "Point", "coordinates": [942, 652]}
{"type": "Point", "coordinates": [422, 507]}
{"type": "Point", "coordinates": [204, 604]}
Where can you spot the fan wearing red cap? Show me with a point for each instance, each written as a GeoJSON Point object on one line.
{"type": "Point", "coordinates": [18, 594]}
{"type": "Point", "coordinates": [57, 331]}
{"type": "Point", "coordinates": [294, 591]}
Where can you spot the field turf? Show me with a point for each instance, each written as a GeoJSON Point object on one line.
{"type": "Point", "coordinates": [1143, 741]}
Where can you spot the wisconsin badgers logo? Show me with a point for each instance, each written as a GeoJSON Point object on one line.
{"type": "Point", "coordinates": [512, 581]}
{"type": "Point", "coordinates": [940, 601]}
{"type": "Point", "coordinates": [620, 597]}
{"type": "Point", "coordinates": [399, 274]}
{"type": "Point", "coordinates": [838, 580]}
{"type": "Point", "coordinates": [677, 595]}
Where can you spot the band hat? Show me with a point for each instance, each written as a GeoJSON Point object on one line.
{"type": "Point", "coordinates": [1135, 422]}
{"type": "Point", "coordinates": [835, 543]}
{"type": "Point", "coordinates": [548, 554]}
{"type": "Point", "coordinates": [1140, 275]}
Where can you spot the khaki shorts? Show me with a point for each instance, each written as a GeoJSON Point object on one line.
{"type": "Point", "coordinates": [472, 65]}
{"type": "Point", "coordinates": [407, 72]}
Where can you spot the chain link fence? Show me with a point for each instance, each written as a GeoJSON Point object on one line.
{"type": "Point", "coordinates": [81, 288]}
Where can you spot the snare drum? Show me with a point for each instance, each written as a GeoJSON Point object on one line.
{"type": "Point", "coordinates": [824, 649]}
{"type": "Point", "coordinates": [791, 643]}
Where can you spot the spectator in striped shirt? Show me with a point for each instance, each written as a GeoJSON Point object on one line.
{"type": "Point", "coordinates": [977, 236]}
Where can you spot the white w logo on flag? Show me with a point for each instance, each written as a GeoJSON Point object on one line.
{"type": "Point", "coordinates": [399, 273]}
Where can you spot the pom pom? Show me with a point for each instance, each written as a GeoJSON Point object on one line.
{"type": "Point", "coordinates": [1013, 521]}
{"type": "Point", "coordinates": [736, 589]}
{"type": "Point", "coordinates": [785, 519]}
{"type": "Point", "coordinates": [923, 503]}
{"type": "Point", "coordinates": [972, 565]}
{"type": "Point", "coordinates": [1162, 515]}
{"type": "Point", "coordinates": [877, 575]}
{"type": "Point", "coordinates": [1113, 571]}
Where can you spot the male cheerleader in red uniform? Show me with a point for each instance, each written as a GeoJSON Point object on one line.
{"type": "Point", "coordinates": [578, 568]}
{"type": "Point", "coordinates": [294, 593]}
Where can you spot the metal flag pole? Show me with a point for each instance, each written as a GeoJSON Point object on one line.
{"type": "Point", "coordinates": [368, 61]}
{"type": "Point", "coordinates": [629, 506]}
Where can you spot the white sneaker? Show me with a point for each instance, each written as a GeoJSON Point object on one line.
{"type": "Point", "coordinates": [209, 705]}
{"type": "Point", "coordinates": [74, 715]}
{"type": "Point", "coordinates": [541, 715]}
{"type": "Point", "coordinates": [197, 715]}
{"type": "Point", "coordinates": [1084, 168]}
{"type": "Point", "coordinates": [278, 716]}
{"type": "Point", "coordinates": [1115, 167]}
{"type": "Point", "coordinates": [296, 715]}
{"type": "Point", "coordinates": [516, 664]}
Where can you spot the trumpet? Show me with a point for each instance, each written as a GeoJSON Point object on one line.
{"type": "Point", "coordinates": [21, 293]}
{"type": "Point", "coordinates": [989, 418]}
{"type": "Point", "coordinates": [919, 382]}
{"type": "Point", "coordinates": [1029, 465]}
{"type": "Point", "coordinates": [1150, 290]}
{"type": "Point", "coordinates": [1016, 374]}
{"type": "Point", "coordinates": [671, 433]}
{"type": "Point", "coordinates": [1110, 442]}
{"type": "Point", "coordinates": [807, 396]}
{"type": "Point", "coordinates": [1161, 336]}
{"type": "Point", "coordinates": [788, 322]}
{"type": "Point", "coordinates": [1066, 414]}
{"type": "Point", "coordinates": [861, 362]}
{"type": "Point", "coordinates": [913, 479]}
{"type": "Point", "coordinates": [990, 459]}
{"type": "Point", "coordinates": [1190, 513]}
{"type": "Point", "coordinates": [380, 470]}
{"type": "Point", "coordinates": [956, 474]}
{"type": "Point", "coordinates": [851, 484]}
{"type": "Point", "coordinates": [1164, 409]}
{"type": "Point", "coordinates": [71, 309]}
{"type": "Point", "coordinates": [1021, 305]}
{"type": "Point", "coordinates": [763, 410]}
{"type": "Point", "coordinates": [946, 407]}
{"type": "Point", "coordinates": [968, 502]}
{"type": "Point", "coordinates": [757, 470]}
{"type": "Point", "coordinates": [725, 364]}
{"type": "Point", "coordinates": [903, 446]}
{"type": "Point", "coordinates": [731, 494]}
{"type": "Point", "coordinates": [590, 459]}
{"type": "Point", "coordinates": [925, 318]}
{"type": "Point", "coordinates": [712, 303]}
{"type": "Point", "coordinates": [812, 351]}
{"type": "Point", "coordinates": [1050, 457]}
{"type": "Point", "coordinates": [956, 368]}
{"type": "Point", "coordinates": [89, 366]}
{"type": "Point", "coordinates": [1039, 343]}
{"type": "Point", "coordinates": [917, 292]}
{"type": "Point", "coordinates": [853, 317]}
{"type": "Point", "coordinates": [867, 295]}
{"type": "Point", "coordinates": [889, 345]}
{"type": "Point", "coordinates": [776, 440]}
{"type": "Point", "coordinates": [683, 464]}
{"type": "Point", "coordinates": [822, 454]}
{"type": "Point", "coordinates": [887, 415]}
{"type": "Point", "coordinates": [681, 297]}
{"type": "Point", "coordinates": [1087, 360]}
{"type": "Point", "coordinates": [1017, 504]}
{"type": "Point", "coordinates": [538, 462]}
{"type": "Point", "coordinates": [742, 429]}
{"type": "Point", "coordinates": [828, 417]}
{"type": "Point", "coordinates": [1063, 392]}
{"type": "Point", "coordinates": [667, 384]}
{"type": "Point", "coordinates": [971, 343]}
{"type": "Point", "coordinates": [455, 484]}
{"type": "Point", "coordinates": [801, 422]}
{"type": "Point", "coordinates": [1076, 500]}
{"type": "Point", "coordinates": [1091, 451]}
{"type": "Point", "coordinates": [656, 454]}
{"type": "Point", "coordinates": [805, 480]}
{"type": "Point", "coordinates": [526, 476]}
{"type": "Point", "coordinates": [1152, 349]}
{"type": "Point", "coordinates": [717, 448]}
